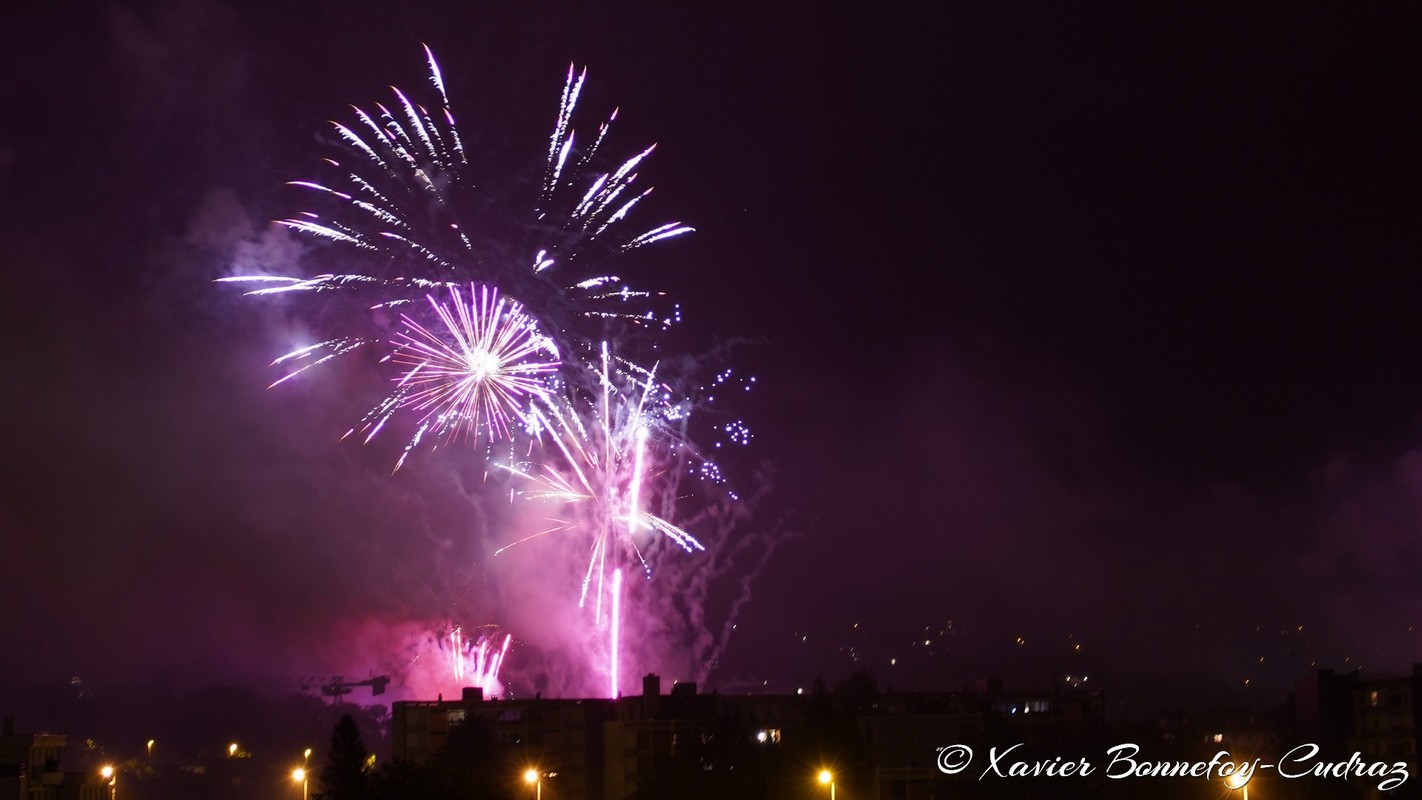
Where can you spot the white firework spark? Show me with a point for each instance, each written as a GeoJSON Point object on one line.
{"type": "Point", "coordinates": [474, 375]}
{"type": "Point", "coordinates": [405, 199]}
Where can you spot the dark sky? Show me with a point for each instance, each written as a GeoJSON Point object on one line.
{"type": "Point", "coordinates": [1086, 337]}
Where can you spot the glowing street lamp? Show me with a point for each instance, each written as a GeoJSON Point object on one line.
{"type": "Point", "coordinates": [232, 750]}
{"type": "Point", "coordinates": [826, 778]}
{"type": "Point", "coordinates": [108, 773]}
{"type": "Point", "coordinates": [534, 777]}
{"type": "Point", "coordinates": [150, 753]}
{"type": "Point", "coordinates": [304, 778]}
{"type": "Point", "coordinates": [1238, 780]}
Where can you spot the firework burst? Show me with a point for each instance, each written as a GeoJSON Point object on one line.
{"type": "Point", "coordinates": [474, 374]}
{"type": "Point", "coordinates": [493, 328]}
{"type": "Point", "coordinates": [399, 193]}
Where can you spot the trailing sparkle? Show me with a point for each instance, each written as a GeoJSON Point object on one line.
{"type": "Point", "coordinates": [476, 663]}
{"type": "Point", "coordinates": [615, 635]}
{"type": "Point", "coordinates": [598, 444]}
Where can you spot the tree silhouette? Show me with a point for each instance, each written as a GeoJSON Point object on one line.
{"type": "Point", "coordinates": [344, 776]}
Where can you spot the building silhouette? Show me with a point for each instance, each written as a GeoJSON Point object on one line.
{"type": "Point", "coordinates": [684, 743]}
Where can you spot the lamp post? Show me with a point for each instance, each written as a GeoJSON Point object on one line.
{"type": "Point", "coordinates": [108, 773]}
{"type": "Point", "coordinates": [827, 779]}
{"type": "Point", "coordinates": [1238, 780]}
{"type": "Point", "coordinates": [300, 774]}
{"type": "Point", "coordinates": [150, 754]}
{"type": "Point", "coordinates": [534, 777]}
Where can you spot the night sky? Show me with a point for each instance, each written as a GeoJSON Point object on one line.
{"type": "Point", "coordinates": [1086, 338]}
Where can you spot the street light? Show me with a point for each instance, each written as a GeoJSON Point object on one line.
{"type": "Point", "coordinates": [1238, 780]}
{"type": "Point", "coordinates": [150, 753]}
{"type": "Point", "coordinates": [827, 778]}
{"type": "Point", "coordinates": [108, 773]}
{"type": "Point", "coordinates": [300, 774]}
{"type": "Point", "coordinates": [534, 777]}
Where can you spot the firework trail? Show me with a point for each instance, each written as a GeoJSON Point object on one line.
{"type": "Point", "coordinates": [598, 444]}
{"type": "Point", "coordinates": [444, 658]}
{"type": "Point", "coordinates": [615, 638]}
{"type": "Point", "coordinates": [613, 460]}
{"type": "Point", "coordinates": [476, 663]}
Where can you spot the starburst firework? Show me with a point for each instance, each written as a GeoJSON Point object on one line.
{"type": "Point", "coordinates": [474, 374]}
{"type": "Point", "coordinates": [400, 194]}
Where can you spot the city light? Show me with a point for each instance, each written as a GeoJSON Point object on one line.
{"type": "Point", "coordinates": [301, 776]}
{"type": "Point", "coordinates": [534, 777]}
{"type": "Point", "coordinates": [1239, 780]}
{"type": "Point", "coordinates": [826, 778]}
